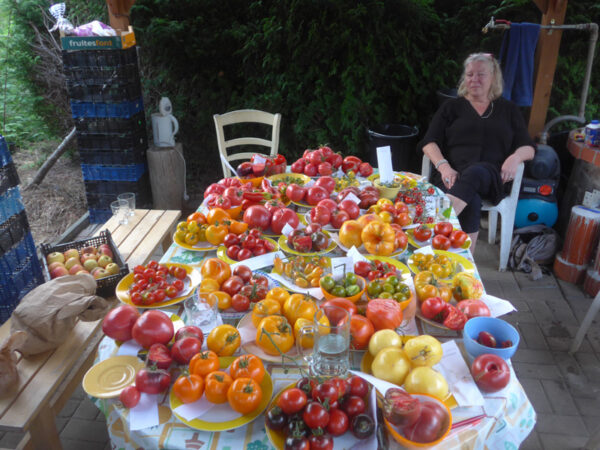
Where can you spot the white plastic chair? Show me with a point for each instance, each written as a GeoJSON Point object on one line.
{"type": "Point", "coordinates": [585, 325]}
{"type": "Point", "coordinates": [507, 209]}
{"type": "Point", "coordinates": [245, 116]}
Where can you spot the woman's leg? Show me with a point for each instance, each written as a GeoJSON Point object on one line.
{"type": "Point", "coordinates": [473, 237]}
{"type": "Point", "coordinates": [457, 204]}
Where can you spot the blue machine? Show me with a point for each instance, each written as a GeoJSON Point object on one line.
{"type": "Point", "coordinates": [531, 211]}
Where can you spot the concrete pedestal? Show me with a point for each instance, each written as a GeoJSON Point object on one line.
{"type": "Point", "coordinates": [167, 176]}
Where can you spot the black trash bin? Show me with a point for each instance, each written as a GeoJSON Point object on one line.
{"type": "Point", "coordinates": [445, 94]}
{"type": "Point", "coordinates": [402, 140]}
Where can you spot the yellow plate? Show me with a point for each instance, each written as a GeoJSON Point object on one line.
{"type": "Point", "coordinates": [418, 244]}
{"type": "Point", "coordinates": [299, 177]}
{"type": "Point", "coordinates": [190, 283]}
{"type": "Point", "coordinates": [267, 391]}
{"type": "Point", "coordinates": [254, 349]}
{"type": "Point", "coordinates": [467, 266]}
{"type": "Point", "coordinates": [394, 262]}
{"type": "Point", "coordinates": [109, 377]}
{"type": "Point", "coordinates": [283, 246]}
{"type": "Point", "coordinates": [199, 247]}
{"type": "Point", "coordinates": [367, 360]}
{"type": "Point", "coordinates": [222, 251]}
{"type": "Point", "coordinates": [363, 251]}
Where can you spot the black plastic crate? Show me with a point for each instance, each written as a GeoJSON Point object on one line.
{"type": "Point", "coordinates": [103, 74]}
{"type": "Point", "coordinates": [111, 124]}
{"type": "Point", "coordinates": [105, 286]}
{"type": "Point", "coordinates": [12, 231]}
{"type": "Point", "coordinates": [126, 156]}
{"type": "Point", "coordinates": [20, 272]}
{"type": "Point", "coordinates": [95, 58]}
{"type": "Point", "coordinates": [109, 91]}
{"type": "Point", "coordinates": [135, 137]}
{"type": "Point", "coordinates": [8, 177]}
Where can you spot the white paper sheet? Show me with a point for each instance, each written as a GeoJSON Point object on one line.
{"type": "Point", "coordinates": [498, 307]}
{"type": "Point", "coordinates": [315, 292]}
{"type": "Point", "coordinates": [130, 347]}
{"type": "Point", "coordinates": [356, 255]}
{"type": "Point", "coordinates": [352, 197]}
{"type": "Point", "coordinates": [145, 413]}
{"type": "Point", "coordinates": [384, 162]}
{"type": "Point", "coordinates": [258, 262]}
{"type": "Point", "coordinates": [341, 265]}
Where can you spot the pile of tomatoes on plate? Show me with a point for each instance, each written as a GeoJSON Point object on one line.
{"type": "Point", "coordinates": [328, 212]}
{"type": "Point", "coordinates": [263, 166]}
{"type": "Point", "coordinates": [444, 236]}
{"type": "Point", "coordinates": [312, 413]}
{"type": "Point", "coordinates": [309, 239]}
{"type": "Point", "coordinates": [247, 245]}
{"type": "Point", "coordinates": [211, 227]}
{"type": "Point", "coordinates": [155, 283]}
{"type": "Point", "coordinates": [321, 189]}
{"type": "Point", "coordinates": [368, 196]}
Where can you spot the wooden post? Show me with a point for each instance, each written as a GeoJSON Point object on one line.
{"type": "Point", "coordinates": [118, 13]}
{"type": "Point", "coordinates": [167, 176]}
{"type": "Point", "coordinates": [545, 61]}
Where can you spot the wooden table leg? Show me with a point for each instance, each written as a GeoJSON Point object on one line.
{"type": "Point", "coordinates": [43, 431]}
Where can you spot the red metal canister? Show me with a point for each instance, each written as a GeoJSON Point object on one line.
{"type": "Point", "coordinates": [582, 235]}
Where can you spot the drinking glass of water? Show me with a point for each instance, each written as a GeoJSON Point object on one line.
{"type": "Point", "coordinates": [130, 198]}
{"type": "Point", "coordinates": [201, 309]}
{"type": "Point", "coordinates": [330, 331]}
{"type": "Point", "coordinates": [120, 209]}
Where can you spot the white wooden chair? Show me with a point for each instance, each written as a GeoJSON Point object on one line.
{"type": "Point", "coordinates": [507, 208]}
{"type": "Point", "coordinates": [245, 116]}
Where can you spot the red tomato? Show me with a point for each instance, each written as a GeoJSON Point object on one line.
{"type": "Point", "coordinates": [315, 194]}
{"type": "Point", "coordinates": [233, 252]}
{"type": "Point", "coordinates": [361, 330]}
{"type": "Point", "coordinates": [342, 385]}
{"type": "Point", "coordinates": [292, 400]}
{"type": "Point", "coordinates": [400, 408]}
{"type": "Point", "coordinates": [336, 160]}
{"type": "Point", "coordinates": [384, 313]}
{"type": "Point", "coordinates": [428, 426]}
{"type": "Point", "coordinates": [320, 215]}
{"type": "Point", "coordinates": [244, 253]}
{"type": "Point", "coordinates": [338, 422]}
{"type": "Point", "coordinates": [342, 303]}
{"type": "Point", "coordinates": [320, 442]}
{"type": "Point", "coordinates": [295, 192]}
{"type": "Point", "coordinates": [324, 169]}
{"type": "Point", "coordinates": [473, 308]}
{"type": "Point", "coordinates": [231, 239]}
{"type": "Point", "coordinates": [490, 372]}
{"type": "Point", "coordinates": [243, 272]}
{"type": "Point", "coordinates": [453, 317]}
{"type": "Point", "coordinates": [358, 386]}
{"type": "Point", "coordinates": [189, 330]}
{"type": "Point", "coordinates": [152, 327]}
{"type": "Point", "coordinates": [328, 203]}
{"type": "Point", "coordinates": [315, 415]}
{"type": "Point", "coordinates": [281, 217]}
{"type": "Point", "coordinates": [458, 238]}
{"type": "Point", "coordinates": [338, 218]}
{"type": "Point", "coordinates": [432, 306]}
{"type": "Point", "coordinates": [365, 169]}
{"type": "Point", "coordinates": [316, 157]}
{"type": "Point", "coordinates": [119, 321]}
{"type": "Point", "coordinates": [325, 390]}
{"type": "Point", "coordinates": [232, 285]}
{"type": "Point", "coordinates": [351, 163]}
{"type": "Point", "coordinates": [422, 233]}
{"type": "Point", "coordinates": [443, 228]}
{"type": "Point", "coordinates": [184, 349]}
{"type": "Point", "coordinates": [297, 167]}
{"type": "Point", "coordinates": [311, 170]}
{"type": "Point", "coordinates": [257, 216]}
{"type": "Point", "coordinates": [160, 355]}
{"type": "Point", "coordinates": [440, 242]}
{"type": "Point", "coordinates": [152, 381]}
{"type": "Point", "coordinates": [362, 268]}
{"type": "Point", "coordinates": [351, 208]}
{"type": "Point", "coordinates": [240, 302]}
{"type": "Point", "coordinates": [353, 406]}
{"type": "Point", "coordinates": [326, 182]}
{"type": "Point", "coordinates": [129, 396]}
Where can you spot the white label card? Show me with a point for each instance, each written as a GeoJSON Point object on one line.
{"type": "Point", "coordinates": [356, 255]}
{"type": "Point", "coordinates": [259, 159]}
{"type": "Point", "coordinates": [287, 230]}
{"type": "Point", "coordinates": [352, 197]}
{"type": "Point", "coordinates": [339, 266]}
{"type": "Point", "coordinates": [384, 163]}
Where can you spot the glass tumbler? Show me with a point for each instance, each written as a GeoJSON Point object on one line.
{"type": "Point", "coordinates": [120, 209]}
{"type": "Point", "coordinates": [201, 310]}
{"type": "Point", "coordinates": [130, 198]}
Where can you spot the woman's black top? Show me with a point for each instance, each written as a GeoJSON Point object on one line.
{"type": "Point", "coordinates": [465, 137]}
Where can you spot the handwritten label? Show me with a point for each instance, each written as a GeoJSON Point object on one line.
{"type": "Point", "coordinates": [339, 266]}
{"type": "Point", "coordinates": [384, 162]}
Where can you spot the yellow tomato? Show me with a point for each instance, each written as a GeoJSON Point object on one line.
{"type": "Point", "coordinates": [264, 308]}
{"type": "Point", "coordinates": [279, 294]}
{"type": "Point", "coordinates": [382, 339]}
{"type": "Point", "coordinates": [209, 285]}
{"type": "Point", "coordinates": [425, 380]}
{"type": "Point", "coordinates": [379, 238]}
{"type": "Point", "coordinates": [423, 350]}
{"type": "Point", "coordinates": [191, 238]}
{"type": "Point", "coordinates": [192, 226]}
{"type": "Point", "coordinates": [224, 340]}
{"type": "Point", "coordinates": [386, 216]}
{"type": "Point", "coordinates": [274, 335]}
{"type": "Point", "coordinates": [224, 299]}
{"type": "Point", "coordinates": [306, 341]}
{"type": "Point", "coordinates": [391, 365]}
{"type": "Point", "coordinates": [384, 201]}
{"type": "Point", "coordinates": [182, 226]}
{"type": "Point", "coordinates": [297, 306]}
{"type": "Point", "coordinates": [180, 234]}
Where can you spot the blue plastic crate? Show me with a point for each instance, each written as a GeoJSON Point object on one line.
{"type": "Point", "coordinates": [122, 109]}
{"type": "Point", "coordinates": [99, 215]}
{"type": "Point", "coordinates": [103, 172]}
{"type": "Point", "coordinates": [11, 203]}
{"type": "Point", "coordinates": [5, 157]}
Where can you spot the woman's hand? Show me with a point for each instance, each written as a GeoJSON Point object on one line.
{"type": "Point", "coordinates": [449, 175]}
{"type": "Point", "coordinates": [509, 168]}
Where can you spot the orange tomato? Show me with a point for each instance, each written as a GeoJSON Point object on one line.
{"type": "Point", "coordinates": [280, 332]}
{"type": "Point", "coordinates": [386, 216]}
{"type": "Point", "coordinates": [215, 234]}
{"type": "Point", "coordinates": [191, 238]}
{"type": "Point", "coordinates": [264, 308]}
{"type": "Point", "coordinates": [350, 233]}
{"type": "Point", "coordinates": [209, 285]}
{"type": "Point", "coordinates": [247, 366]}
{"type": "Point", "coordinates": [279, 294]}
{"type": "Point", "coordinates": [217, 215]}
{"type": "Point", "coordinates": [204, 363]}
{"type": "Point", "coordinates": [216, 386]}
{"type": "Point", "coordinates": [379, 238]}
{"type": "Point", "coordinates": [428, 285]}
{"type": "Point", "coordinates": [367, 218]}
{"type": "Point", "coordinates": [197, 217]}
{"type": "Point", "coordinates": [403, 219]}
{"type": "Point", "coordinates": [297, 306]}
{"type": "Point", "coordinates": [216, 269]}
{"type": "Point", "coordinates": [189, 388]}
{"type": "Point", "coordinates": [238, 227]}
{"type": "Point", "coordinates": [224, 340]}
{"type": "Point", "coordinates": [224, 300]}
{"type": "Point", "coordinates": [244, 395]}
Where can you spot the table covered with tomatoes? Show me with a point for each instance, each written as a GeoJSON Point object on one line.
{"type": "Point", "coordinates": [269, 249]}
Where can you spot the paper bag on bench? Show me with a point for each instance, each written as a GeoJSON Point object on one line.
{"type": "Point", "coordinates": [49, 312]}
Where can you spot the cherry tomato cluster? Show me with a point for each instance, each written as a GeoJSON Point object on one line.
{"type": "Point", "coordinates": [311, 414]}
{"type": "Point", "coordinates": [445, 236]}
{"type": "Point", "coordinates": [254, 168]}
{"type": "Point", "coordinates": [154, 283]}
{"type": "Point", "coordinates": [245, 288]}
{"type": "Point", "coordinates": [389, 212]}
{"type": "Point", "coordinates": [246, 245]}
{"type": "Point", "coordinates": [414, 196]}
{"type": "Point", "coordinates": [373, 270]}
{"type": "Point", "coordinates": [309, 239]}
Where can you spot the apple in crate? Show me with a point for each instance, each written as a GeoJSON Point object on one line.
{"type": "Point", "coordinates": [100, 272]}
{"type": "Point", "coordinates": [89, 249]}
{"type": "Point", "coordinates": [90, 264]}
{"type": "Point", "coordinates": [104, 260]}
{"type": "Point", "coordinates": [76, 268]}
{"type": "Point", "coordinates": [87, 256]}
{"type": "Point", "coordinates": [71, 262]}
{"type": "Point", "coordinates": [54, 265]}
{"type": "Point", "coordinates": [112, 268]}
{"type": "Point", "coordinates": [104, 249]}
{"type": "Point", "coordinates": [55, 257]}
{"type": "Point", "coordinates": [59, 272]}
{"type": "Point", "coordinates": [71, 253]}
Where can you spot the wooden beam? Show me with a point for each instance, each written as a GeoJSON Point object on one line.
{"type": "Point", "coordinates": [542, 5]}
{"type": "Point", "coordinates": [118, 13]}
{"type": "Point", "coordinates": [545, 62]}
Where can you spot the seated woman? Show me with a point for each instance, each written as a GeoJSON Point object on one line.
{"type": "Point", "coordinates": [476, 141]}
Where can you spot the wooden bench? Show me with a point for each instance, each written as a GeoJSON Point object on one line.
{"type": "Point", "coordinates": [47, 380]}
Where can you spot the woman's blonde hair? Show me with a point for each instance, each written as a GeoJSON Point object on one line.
{"type": "Point", "coordinates": [497, 81]}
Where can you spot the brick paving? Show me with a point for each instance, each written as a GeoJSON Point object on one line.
{"type": "Point", "coordinates": [564, 389]}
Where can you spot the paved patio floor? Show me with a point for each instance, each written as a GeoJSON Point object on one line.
{"type": "Point", "coordinates": [564, 389]}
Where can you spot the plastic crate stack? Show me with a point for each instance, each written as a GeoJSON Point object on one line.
{"type": "Point", "coordinates": [106, 104]}
{"type": "Point", "coordinates": [20, 269]}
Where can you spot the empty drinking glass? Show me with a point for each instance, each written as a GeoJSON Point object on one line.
{"type": "Point", "coordinates": [120, 209]}
{"type": "Point", "coordinates": [201, 309]}
{"type": "Point", "coordinates": [130, 198]}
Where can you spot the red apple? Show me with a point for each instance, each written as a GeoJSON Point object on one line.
{"type": "Point", "coordinates": [82, 271]}
{"type": "Point", "coordinates": [89, 249]}
{"type": "Point", "coordinates": [99, 272]}
{"type": "Point", "coordinates": [54, 265]}
{"type": "Point", "coordinates": [76, 268]}
{"type": "Point", "coordinates": [71, 262]}
{"type": "Point", "coordinates": [87, 256]}
{"type": "Point", "coordinates": [55, 257]}
{"type": "Point", "coordinates": [71, 253]}
{"type": "Point", "coordinates": [104, 249]}
{"type": "Point", "coordinates": [59, 272]}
